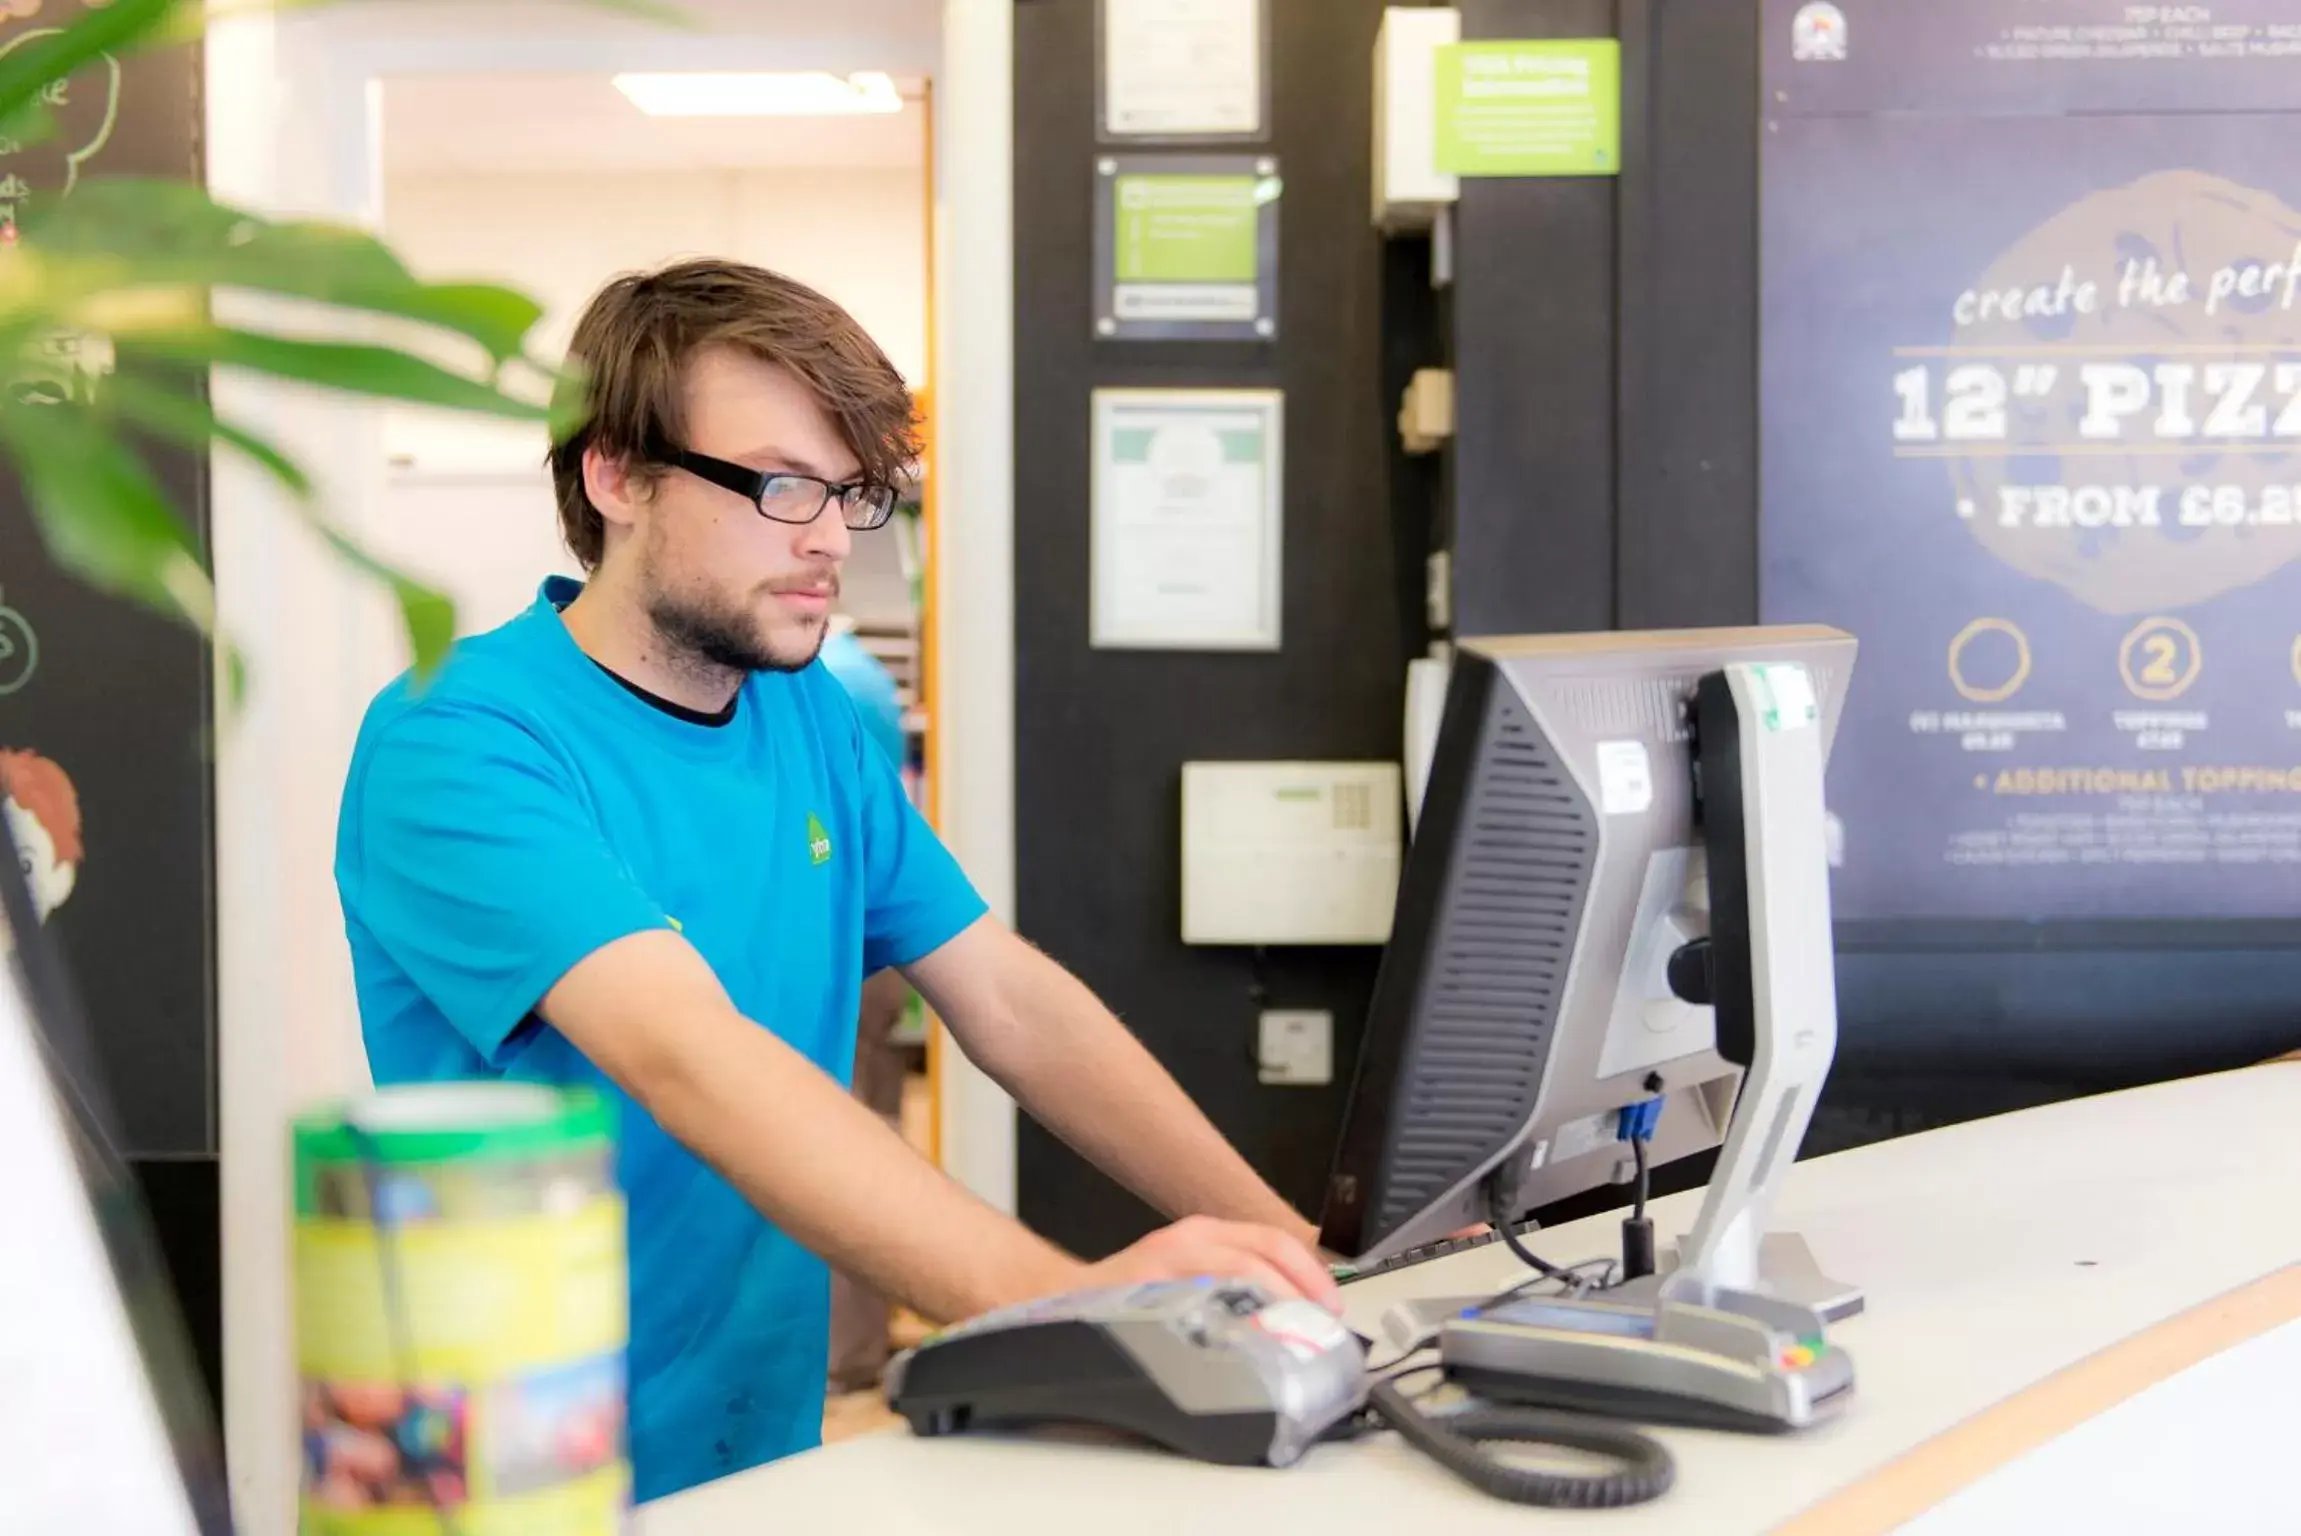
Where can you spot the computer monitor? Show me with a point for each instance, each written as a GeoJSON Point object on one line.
{"type": "Point", "coordinates": [1617, 890]}
{"type": "Point", "coordinates": [104, 1422]}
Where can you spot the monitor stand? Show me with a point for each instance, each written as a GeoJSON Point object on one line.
{"type": "Point", "coordinates": [1760, 744]}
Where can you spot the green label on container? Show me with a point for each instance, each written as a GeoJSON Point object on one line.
{"type": "Point", "coordinates": [1530, 108]}
{"type": "Point", "coordinates": [1187, 229]}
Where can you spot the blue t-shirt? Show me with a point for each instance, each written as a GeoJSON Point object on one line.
{"type": "Point", "coordinates": [524, 809]}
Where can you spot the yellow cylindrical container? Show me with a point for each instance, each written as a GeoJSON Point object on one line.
{"type": "Point", "coordinates": [461, 1314]}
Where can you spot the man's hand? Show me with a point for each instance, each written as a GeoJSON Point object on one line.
{"type": "Point", "coordinates": [1228, 1250]}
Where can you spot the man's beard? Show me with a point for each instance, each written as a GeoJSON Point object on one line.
{"type": "Point", "coordinates": [726, 635]}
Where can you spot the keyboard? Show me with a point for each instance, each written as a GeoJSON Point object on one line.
{"type": "Point", "coordinates": [1346, 1272]}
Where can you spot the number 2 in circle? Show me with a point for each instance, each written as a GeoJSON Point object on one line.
{"type": "Point", "coordinates": [2160, 659]}
{"type": "Point", "coordinates": [2158, 671]}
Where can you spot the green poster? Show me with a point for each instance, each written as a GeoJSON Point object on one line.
{"type": "Point", "coordinates": [1187, 229]}
{"type": "Point", "coordinates": [1530, 108]}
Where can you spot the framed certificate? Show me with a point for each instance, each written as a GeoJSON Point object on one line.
{"type": "Point", "coordinates": [1187, 526]}
{"type": "Point", "coordinates": [1183, 70]}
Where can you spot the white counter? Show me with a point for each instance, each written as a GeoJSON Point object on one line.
{"type": "Point", "coordinates": [1994, 1255]}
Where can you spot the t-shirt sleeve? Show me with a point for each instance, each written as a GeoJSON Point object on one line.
{"type": "Point", "coordinates": [917, 898]}
{"type": "Point", "coordinates": [482, 872]}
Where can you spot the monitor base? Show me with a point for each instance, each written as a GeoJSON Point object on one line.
{"type": "Point", "coordinates": [1787, 1269]}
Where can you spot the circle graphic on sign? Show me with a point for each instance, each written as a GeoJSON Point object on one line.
{"type": "Point", "coordinates": [2160, 659]}
{"type": "Point", "coordinates": [1961, 668]}
{"type": "Point", "coordinates": [19, 651]}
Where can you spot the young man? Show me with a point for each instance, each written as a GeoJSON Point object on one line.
{"type": "Point", "coordinates": [636, 838]}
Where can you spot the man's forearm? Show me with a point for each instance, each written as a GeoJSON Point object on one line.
{"type": "Point", "coordinates": [1054, 1046]}
{"type": "Point", "coordinates": [818, 1164]}
{"type": "Point", "coordinates": [840, 1180]}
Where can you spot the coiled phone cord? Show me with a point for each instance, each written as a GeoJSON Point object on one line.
{"type": "Point", "coordinates": [1645, 1473]}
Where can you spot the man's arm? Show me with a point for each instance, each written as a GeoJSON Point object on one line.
{"type": "Point", "coordinates": [1040, 1034]}
{"type": "Point", "coordinates": [649, 1012]}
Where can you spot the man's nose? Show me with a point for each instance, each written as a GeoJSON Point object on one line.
{"type": "Point", "coordinates": [828, 537]}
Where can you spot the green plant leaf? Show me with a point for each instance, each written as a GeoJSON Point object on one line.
{"type": "Point", "coordinates": [29, 124]}
{"type": "Point", "coordinates": [352, 367]}
{"type": "Point", "coordinates": [184, 418]}
{"type": "Point", "coordinates": [112, 28]}
{"type": "Point", "coordinates": [427, 614]}
{"type": "Point", "coordinates": [132, 232]}
{"type": "Point", "coordinates": [101, 514]}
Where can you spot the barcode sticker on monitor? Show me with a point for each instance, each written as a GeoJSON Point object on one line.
{"type": "Point", "coordinates": [1625, 778]}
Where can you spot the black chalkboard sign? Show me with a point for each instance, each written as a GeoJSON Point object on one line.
{"type": "Point", "coordinates": [105, 708]}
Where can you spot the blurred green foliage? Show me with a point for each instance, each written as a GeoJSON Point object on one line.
{"type": "Point", "coordinates": [109, 328]}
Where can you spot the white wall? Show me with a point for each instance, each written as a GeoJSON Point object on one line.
{"type": "Point", "coordinates": [467, 505]}
{"type": "Point", "coordinates": [974, 608]}
{"type": "Point", "coordinates": [857, 234]}
{"type": "Point", "coordinates": [292, 121]}
{"type": "Point", "coordinates": [281, 139]}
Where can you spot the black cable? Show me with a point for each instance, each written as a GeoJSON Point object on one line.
{"type": "Point", "coordinates": [1637, 1231]}
{"type": "Point", "coordinates": [1579, 1278]}
{"type": "Point", "coordinates": [1645, 1473]}
{"type": "Point", "coordinates": [1500, 1219]}
{"type": "Point", "coordinates": [1258, 999]}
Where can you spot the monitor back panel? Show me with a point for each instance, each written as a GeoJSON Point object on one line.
{"type": "Point", "coordinates": [1557, 826]}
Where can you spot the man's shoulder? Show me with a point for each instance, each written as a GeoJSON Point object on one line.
{"type": "Point", "coordinates": [490, 683]}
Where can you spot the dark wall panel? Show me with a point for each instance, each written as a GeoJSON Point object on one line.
{"type": "Point", "coordinates": [1533, 319]}
{"type": "Point", "coordinates": [116, 699]}
{"type": "Point", "coordinates": [1688, 353]}
{"type": "Point", "coordinates": [1101, 737]}
{"type": "Point", "coordinates": [114, 702]}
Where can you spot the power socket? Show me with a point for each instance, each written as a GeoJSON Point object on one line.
{"type": "Point", "coordinates": [1297, 1047]}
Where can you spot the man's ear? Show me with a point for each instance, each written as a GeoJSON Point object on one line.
{"type": "Point", "coordinates": [612, 487]}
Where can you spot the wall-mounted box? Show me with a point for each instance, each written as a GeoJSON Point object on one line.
{"type": "Point", "coordinates": [1290, 853]}
{"type": "Point", "coordinates": [1409, 189]}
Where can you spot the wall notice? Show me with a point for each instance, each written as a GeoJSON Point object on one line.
{"type": "Point", "coordinates": [1543, 107]}
{"type": "Point", "coordinates": [2031, 398]}
{"type": "Point", "coordinates": [1186, 247]}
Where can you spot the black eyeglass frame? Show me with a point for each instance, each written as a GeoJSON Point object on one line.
{"type": "Point", "coordinates": [753, 484]}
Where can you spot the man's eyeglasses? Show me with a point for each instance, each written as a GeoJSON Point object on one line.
{"type": "Point", "coordinates": [785, 497]}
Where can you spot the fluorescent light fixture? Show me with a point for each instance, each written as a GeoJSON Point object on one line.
{"type": "Point", "coordinates": [706, 93]}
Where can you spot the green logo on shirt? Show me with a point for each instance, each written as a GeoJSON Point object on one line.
{"type": "Point", "coordinates": [818, 840]}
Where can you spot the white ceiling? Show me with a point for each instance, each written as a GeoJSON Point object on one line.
{"type": "Point", "coordinates": [568, 122]}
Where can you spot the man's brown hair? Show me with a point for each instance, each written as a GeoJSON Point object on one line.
{"type": "Point", "coordinates": [639, 334]}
